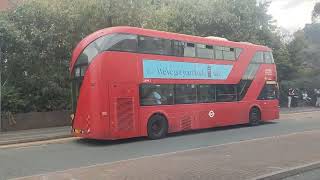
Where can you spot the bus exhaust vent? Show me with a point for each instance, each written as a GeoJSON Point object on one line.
{"type": "Point", "coordinates": [125, 114]}
{"type": "Point", "coordinates": [186, 123]}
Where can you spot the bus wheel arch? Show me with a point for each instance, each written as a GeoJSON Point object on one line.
{"type": "Point", "coordinates": [157, 126]}
{"type": "Point", "coordinates": [254, 116]}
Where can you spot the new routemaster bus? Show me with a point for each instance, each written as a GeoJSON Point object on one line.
{"type": "Point", "coordinates": [129, 82]}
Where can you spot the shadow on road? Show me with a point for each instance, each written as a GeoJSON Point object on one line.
{"type": "Point", "coordinates": [94, 142]}
{"type": "Point", "coordinates": [216, 129]}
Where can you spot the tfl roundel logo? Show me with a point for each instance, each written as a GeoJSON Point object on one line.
{"type": "Point", "coordinates": [211, 114]}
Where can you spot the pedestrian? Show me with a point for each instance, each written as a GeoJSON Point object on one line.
{"type": "Point", "coordinates": [318, 97]}
{"type": "Point", "coordinates": [304, 95]}
{"type": "Point", "coordinates": [295, 98]}
{"type": "Point", "coordinates": [306, 100]}
{"type": "Point", "coordinates": [290, 96]}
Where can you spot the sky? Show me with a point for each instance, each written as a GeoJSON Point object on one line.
{"type": "Point", "coordinates": [292, 14]}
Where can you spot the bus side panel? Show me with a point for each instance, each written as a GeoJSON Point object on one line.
{"type": "Point", "coordinates": [269, 110]}
{"type": "Point", "coordinates": [229, 113]}
{"type": "Point", "coordinates": [221, 114]}
{"type": "Point", "coordinates": [92, 111]}
{"type": "Point", "coordinates": [185, 117]}
{"type": "Point", "coordinates": [123, 106]}
{"type": "Point", "coordinates": [179, 118]}
{"type": "Point", "coordinates": [206, 116]}
{"type": "Point", "coordinates": [120, 72]}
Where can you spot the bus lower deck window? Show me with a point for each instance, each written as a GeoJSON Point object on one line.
{"type": "Point", "coordinates": [151, 94]}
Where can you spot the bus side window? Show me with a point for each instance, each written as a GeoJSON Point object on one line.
{"type": "Point", "coordinates": [206, 93]}
{"type": "Point", "coordinates": [218, 52]}
{"type": "Point", "coordinates": [268, 58]}
{"type": "Point", "coordinates": [229, 53]}
{"type": "Point", "coordinates": [126, 42]}
{"type": "Point", "coordinates": [185, 94]}
{"type": "Point", "coordinates": [152, 45]}
{"type": "Point", "coordinates": [226, 93]}
{"type": "Point", "coordinates": [251, 72]}
{"type": "Point", "coordinates": [178, 48]}
{"type": "Point", "coordinates": [189, 50]}
{"type": "Point", "coordinates": [205, 51]}
{"type": "Point", "coordinates": [258, 58]}
{"type": "Point", "coordinates": [238, 52]}
{"type": "Point", "coordinates": [151, 94]}
{"type": "Point", "coordinates": [269, 92]}
{"type": "Point", "coordinates": [243, 87]}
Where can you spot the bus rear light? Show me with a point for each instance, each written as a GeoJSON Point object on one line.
{"type": "Point", "coordinates": [77, 131]}
{"type": "Point", "coordinates": [81, 131]}
{"type": "Point", "coordinates": [104, 113]}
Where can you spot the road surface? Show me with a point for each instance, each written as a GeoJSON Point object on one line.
{"type": "Point", "coordinates": [44, 158]}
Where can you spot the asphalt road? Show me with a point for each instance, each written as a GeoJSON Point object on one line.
{"type": "Point", "coordinates": [24, 161]}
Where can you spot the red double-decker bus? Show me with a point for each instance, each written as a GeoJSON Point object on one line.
{"type": "Point", "coordinates": [129, 82]}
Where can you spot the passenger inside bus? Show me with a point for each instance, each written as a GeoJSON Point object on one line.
{"type": "Point", "coordinates": [155, 96]}
{"type": "Point", "coordinates": [152, 97]}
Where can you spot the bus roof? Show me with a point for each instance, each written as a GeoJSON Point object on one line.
{"type": "Point", "coordinates": [160, 34]}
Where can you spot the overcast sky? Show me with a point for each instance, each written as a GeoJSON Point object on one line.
{"type": "Point", "coordinates": [292, 14]}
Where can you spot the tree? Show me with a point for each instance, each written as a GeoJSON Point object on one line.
{"type": "Point", "coordinates": [316, 13]}
{"type": "Point", "coordinates": [40, 36]}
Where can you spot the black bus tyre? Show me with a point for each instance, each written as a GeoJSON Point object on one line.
{"type": "Point", "coordinates": [254, 117]}
{"type": "Point", "coordinates": [157, 127]}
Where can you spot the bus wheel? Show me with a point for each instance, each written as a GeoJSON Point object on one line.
{"type": "Point", "coordinates": [157, 127]}
{"type": "Point", "coordinates": [254, 117]}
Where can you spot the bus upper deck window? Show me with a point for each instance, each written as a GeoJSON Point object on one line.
{"type": "Point", "coordinates": [229, 53]}
{"type": "Point", "coordinates": [238, 52]}
{"type": "Point", "coordinates": [153, 45]}
{"type": "Point", "coordinates": [178, 48]}
{"type": "Point", "coordinates": [268, 58]}
{"type": "Point", "coordinates": [189, 50]}
{"type": "Point", "coordinates": [205, 51]}
{"type": "Point", "coordinates": [218, 52]}
{"type": "Point", "coordinates": [123, 42]}
{"type": "Point", "coordinates": [258, 58]}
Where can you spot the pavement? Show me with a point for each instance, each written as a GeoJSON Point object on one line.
{"type": "Point", "coordinates": [32, 135]}
{"type": "Point", "coordinates": [307, 171]}
{"type": "Point", "coordinates": [298, 109]}
{"type": "Point", "coordinates": [236, 152]}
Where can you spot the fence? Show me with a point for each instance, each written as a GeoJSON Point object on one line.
{"type": "Point", "coordinates": [34, 120]}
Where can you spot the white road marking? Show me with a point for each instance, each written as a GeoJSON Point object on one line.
{"type": "Point", "coordinates": [273, 167]}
